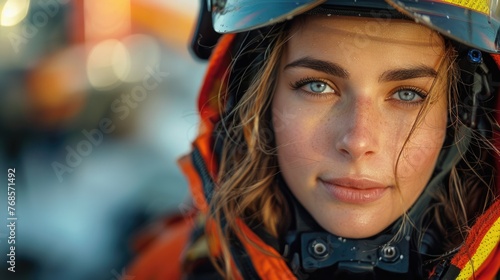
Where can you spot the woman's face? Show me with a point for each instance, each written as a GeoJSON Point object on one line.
{"type": "Point", "coordinates": [349, 91]}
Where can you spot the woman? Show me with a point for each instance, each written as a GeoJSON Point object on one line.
{"type": "Point", "coordinates": [343, 140]}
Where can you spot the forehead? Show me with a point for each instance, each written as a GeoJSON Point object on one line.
{"type": "Point", "coordinates": [353, 36]}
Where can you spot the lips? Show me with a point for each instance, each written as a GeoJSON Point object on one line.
{"type": "Point", "coordinates": [355, 191]}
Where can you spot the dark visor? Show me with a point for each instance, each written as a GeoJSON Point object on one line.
{"type": "Point", "coordinates": [474, 23]}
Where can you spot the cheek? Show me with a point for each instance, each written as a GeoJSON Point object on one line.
{"type": "Point", "coordinates": [288, 125]}
{"type": "Point", "coordinates": [295, 128]}
{"type": "Point", "coordinates": [291, 136]}
{"type": "Point", "coordinates": [417, 162]}
{"type": "Point", "coordinates": [301, 132]}
{"type": "Point", "coordinates": [283, 132]}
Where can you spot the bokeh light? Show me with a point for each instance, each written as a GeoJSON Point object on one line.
{"type": "Point", "coordinates": [13, 12]}
{"type": "Point", "coordinates": [98, 102]}
{"type": "Point", "coordinates": [108, 64]}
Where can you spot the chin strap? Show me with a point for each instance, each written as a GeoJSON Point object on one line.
{"type": "Point", "coordinates": [448, 158]}
{"type": "Point", "coordinates": [475, 97]}
{"type": "Point", "coordinates": [314, 253]}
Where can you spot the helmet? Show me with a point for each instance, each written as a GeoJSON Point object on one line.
{"type": "Point", "coordinates": [473, 23]}
{"type": "Point", "coordinates": [473, 28]}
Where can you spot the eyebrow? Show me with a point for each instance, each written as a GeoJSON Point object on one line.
{"type": "Point", "coordinates": [420, 71]}
{"type": "Point", "coordinates": [320, 65]}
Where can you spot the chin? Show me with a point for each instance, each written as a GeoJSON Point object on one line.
{"type": "Point", "coordinates": [355, 234]}
{"type": "Point", "coordinates": [355, 230]}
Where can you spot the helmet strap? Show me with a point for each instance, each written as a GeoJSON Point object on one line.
{"type": "Point", "coordinates": [313, 253]}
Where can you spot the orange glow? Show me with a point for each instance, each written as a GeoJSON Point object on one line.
{"type": "Point", "coordinates": [170, 25]}
{"type": "Point", "coordinates": [57, 86]}
{"type": "Point", "coordinates": [106, 19]}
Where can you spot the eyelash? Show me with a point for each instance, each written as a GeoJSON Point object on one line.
{"type": "Point", "coordinates": [304, 81]}
{"type": "Point", "coordinates": [421, 93]}
{"type": "Point", "coordinates": [297, 85]}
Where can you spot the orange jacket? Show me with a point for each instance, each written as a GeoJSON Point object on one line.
{"type": "Point", "coordinates": [165, 257]}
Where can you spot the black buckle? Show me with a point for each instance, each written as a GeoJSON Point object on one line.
{"type": "Point", "coordinates": [476, 86]}
{"type": "Point", "coordinates": [336, 256]}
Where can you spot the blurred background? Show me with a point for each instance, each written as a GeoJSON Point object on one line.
{"type": "Point", "coordinates": [97, 103]}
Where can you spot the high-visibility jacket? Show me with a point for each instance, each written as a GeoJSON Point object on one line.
{"type": "Point", "coordinates": [182, 246]}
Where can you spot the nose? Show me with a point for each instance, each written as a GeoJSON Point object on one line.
{"type": "Point", "coordinates": [359, 129]}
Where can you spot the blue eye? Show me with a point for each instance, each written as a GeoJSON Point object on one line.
{"type": "Point", "coordinates": [312, 86]}
{"type": "Point", "coordinates": [409, 95]}
{"type": "Point", "coordinates": [317, 87]}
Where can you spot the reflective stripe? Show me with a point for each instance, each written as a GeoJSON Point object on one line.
{"type": "Point", "coordinates": [482, 241]}
{"type": "Point", "coordinates": [476, 5]}
{"type": "Point", "coordinates": [486, 247]}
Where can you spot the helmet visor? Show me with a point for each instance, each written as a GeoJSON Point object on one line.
{"type": "Point", "coordinates": [230, 16]}
{"type": "Point", "coordinates": [474, 23]}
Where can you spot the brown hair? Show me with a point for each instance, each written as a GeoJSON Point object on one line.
{"type": "Point", "coordinates": [246, 186]}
